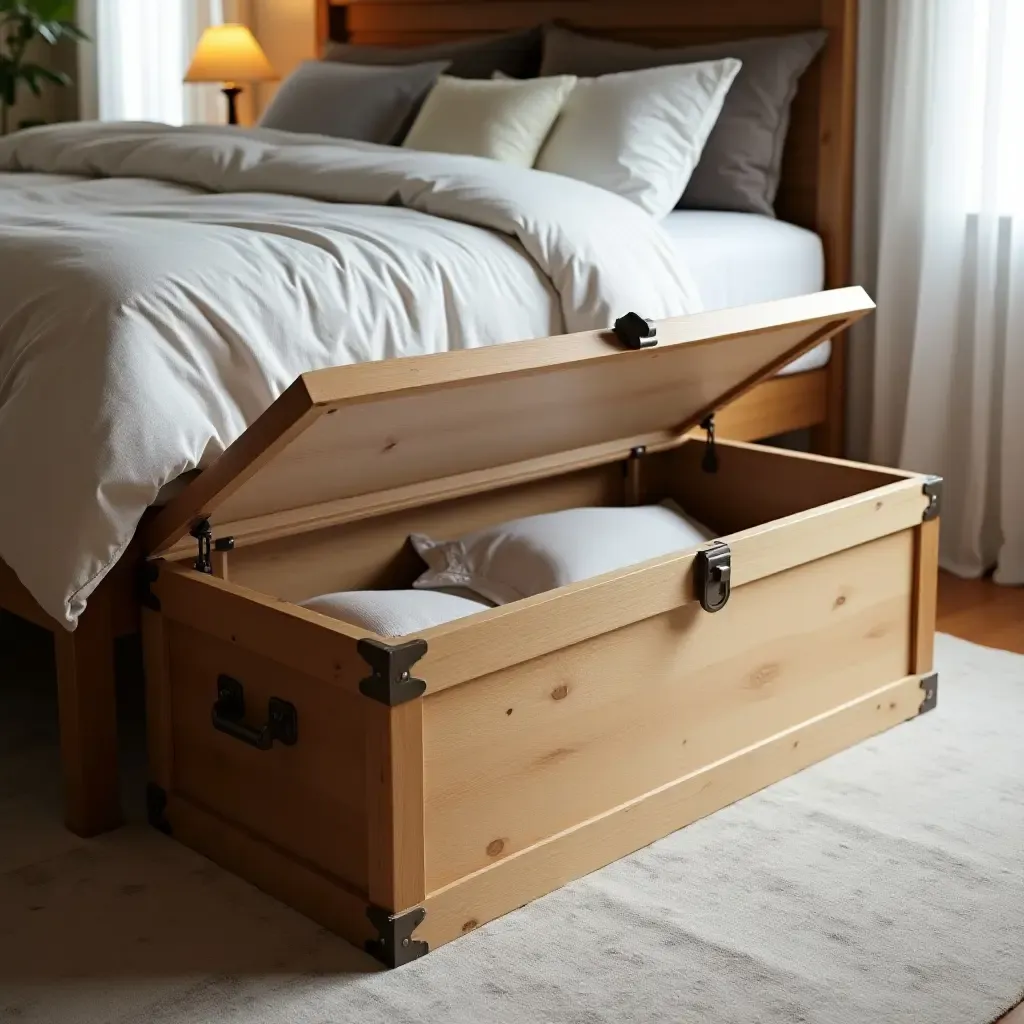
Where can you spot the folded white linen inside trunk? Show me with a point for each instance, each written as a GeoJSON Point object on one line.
{"type": "Point", "coordinates": [147, 319]}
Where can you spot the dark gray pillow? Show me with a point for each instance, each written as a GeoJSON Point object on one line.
{"type": "Point", "coordinates": [740, 166]}
{"type": "Point", "coordinates": [367, 104]}
{"type": "Point", "coordinates": [513, 53]}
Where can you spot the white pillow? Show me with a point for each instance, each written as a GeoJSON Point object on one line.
{"type": "Point", "coordinates": [639, 133]}
{"type": "Point", "coordinates": [504, 120]}
{"type": "Point", "coordinates": [394, 612]}
{"type": "Point", "coordinates": [529, 556]}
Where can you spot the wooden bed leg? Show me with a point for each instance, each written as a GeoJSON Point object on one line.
{"type": "Point", "coordinates": [829, 437]}
{"type": "Point", "coordinates": [87, 701]}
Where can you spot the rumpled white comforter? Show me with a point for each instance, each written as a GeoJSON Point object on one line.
{"type": "Point", "coordinates": [159, 287]}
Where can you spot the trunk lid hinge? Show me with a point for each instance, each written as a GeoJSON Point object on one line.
{"type": "Point", "coordinates": [635, 331]}
{"type": "Point", "coordinates": [710, 461]}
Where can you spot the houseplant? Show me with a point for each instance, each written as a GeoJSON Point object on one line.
{"type": "Point", "coordinates": [23, 23]}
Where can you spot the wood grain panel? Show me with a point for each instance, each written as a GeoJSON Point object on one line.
{"type": "Point", "coordinates": [607, 720]}
{"type": "Point", "coordinates": [926, 586]}
{"type": "Point", "coordinates": [757, 484]}
{"type": "Point", "coordinates": [394, 800]}
{"type": "Point", "coordinates": [499, 638]}
{"type": "Point", "coordinates": [375, 553]}
{"type": "Point", "coordinates": [308, 799]}
{"type": "Point", "coordinates": [513, 881]}
{"type": "Point", "coordinates": [322, 897]}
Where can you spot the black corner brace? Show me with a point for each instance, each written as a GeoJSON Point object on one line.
{"type": "Point", "coordinates": [394, 945]}
{"type": "Point", "coordinates": [930, 689]}
{"type": "Point", "coordinates": [635, 331]}
{"type": "Point", "coordinates": [932, 489]}
{"type": "Point", "coordinates": [148, 574]}
{"type": "Point", "coordinates": [391, 682]}
{"type": "Point", "coordinates": [156, 808]}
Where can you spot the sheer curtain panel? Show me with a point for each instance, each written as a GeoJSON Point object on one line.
{"type": "Point", "coordinates": [133, 70]}
{"type": "Point", "coordinates": [940, 239]}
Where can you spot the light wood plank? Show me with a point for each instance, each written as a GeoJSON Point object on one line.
{"type": "Point", "coordinates": [318, 895]}
{"type": "Point", "coordinates": [926, 572]}
{"type": "Point", "coordinates": [357, 430]}
{"type": "Point", "coordinates": [316, 645]}
{"type": "Point", "coordinates": [375, 553]}
{"type": "Point", "coordinates": [756, 484]}
{"type": "Point", "coordinates": [514, 633]}
{"type": "Point", "coordinates": [510, 883]}
{"type": "Point", "coordinates": [394, 780]}
{"type": "Point", "coordinates": [794, 402]}
{"type": "Point", "coordinates": [606, 720]}
{"type": "Point", "coordinates": [309, 798]}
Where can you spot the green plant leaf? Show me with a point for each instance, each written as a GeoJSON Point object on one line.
{"type": "Point", "coordinates": [35, 72]}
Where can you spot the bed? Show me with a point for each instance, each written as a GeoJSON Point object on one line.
{"type": "Point", "coordinates": [814, 194]}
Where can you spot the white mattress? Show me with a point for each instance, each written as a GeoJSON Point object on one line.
{"type": "Point", "coordinates": [744, 257]}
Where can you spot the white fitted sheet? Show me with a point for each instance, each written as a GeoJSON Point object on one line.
{"type": "Point", "coordinates": [739, 258]}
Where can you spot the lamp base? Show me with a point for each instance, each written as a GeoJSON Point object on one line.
{"type": "Point", "coordinates": [232, 92]}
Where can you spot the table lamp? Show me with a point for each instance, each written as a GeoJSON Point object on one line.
{"type": "Point", "coordinates": [229, 54]}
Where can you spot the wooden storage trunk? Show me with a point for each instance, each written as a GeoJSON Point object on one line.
{"type": "Point", "coordinates": [404, 791]}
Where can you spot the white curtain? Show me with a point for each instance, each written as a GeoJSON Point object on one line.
{"type": "Point", "coordinates": [940, 239]}
{"type": "Point", "coordinates": [133, 68]}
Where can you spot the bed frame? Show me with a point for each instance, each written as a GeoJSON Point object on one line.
{"type": "Point", "coordinates": [817, 171]}
{"type": "Point", "coordinates": [815, 192]}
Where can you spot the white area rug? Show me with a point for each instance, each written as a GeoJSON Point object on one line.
{"type": "Point", "coordinates": [885, 885]}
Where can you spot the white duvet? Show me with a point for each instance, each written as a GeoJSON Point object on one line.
{"type": "Point", "coordinates": [159, 287]}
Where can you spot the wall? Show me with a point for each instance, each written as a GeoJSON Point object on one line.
{"type": "Point", "coordinates": [55, 104]}
{"type": "Point", "coordinates": [286, 30]}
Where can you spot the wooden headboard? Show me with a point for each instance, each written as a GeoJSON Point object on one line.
{"type": "Point", "coordinates": [817, 170]}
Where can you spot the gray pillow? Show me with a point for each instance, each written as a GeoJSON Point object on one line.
{"type": "Point", "coordinates": [741, 163]}
{"type": "Point", "coordinates": [363, 103]}
{"type": "Point", "coordinates": [514, 53]}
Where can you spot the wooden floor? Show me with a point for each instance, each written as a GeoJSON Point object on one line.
{"type": "Point", "coordinates": [984, 613]}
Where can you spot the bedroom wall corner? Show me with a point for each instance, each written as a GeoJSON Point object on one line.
{"type": "Point", "coordinates": [286, 30]}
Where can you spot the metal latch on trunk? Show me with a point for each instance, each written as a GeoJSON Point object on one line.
{"type": "Point", "coordinates": [713, 571]}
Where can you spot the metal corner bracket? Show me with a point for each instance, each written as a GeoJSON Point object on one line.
{"type": "Point", "coordinates": [932, 490]}
{"type": "Point", "coordinates": [930, 689]}
{"type": "Point", "coordinates": [392, 682]}
{"type": "Point", "coordinates": [394, 945]}
{"type": "Point", "coordinates": [156, 808]}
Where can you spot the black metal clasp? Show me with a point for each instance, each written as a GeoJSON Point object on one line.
{"type": "Point", "coordinates": [229, 710]}
{"type": "Point", "coordinates": [635, 331]}
{"type": "Point", "coordinates": [713, 571]}
{"type": "Point", "coordinates": [204, 535]}
{"type": "Point", "coordinates": [710, 461]}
